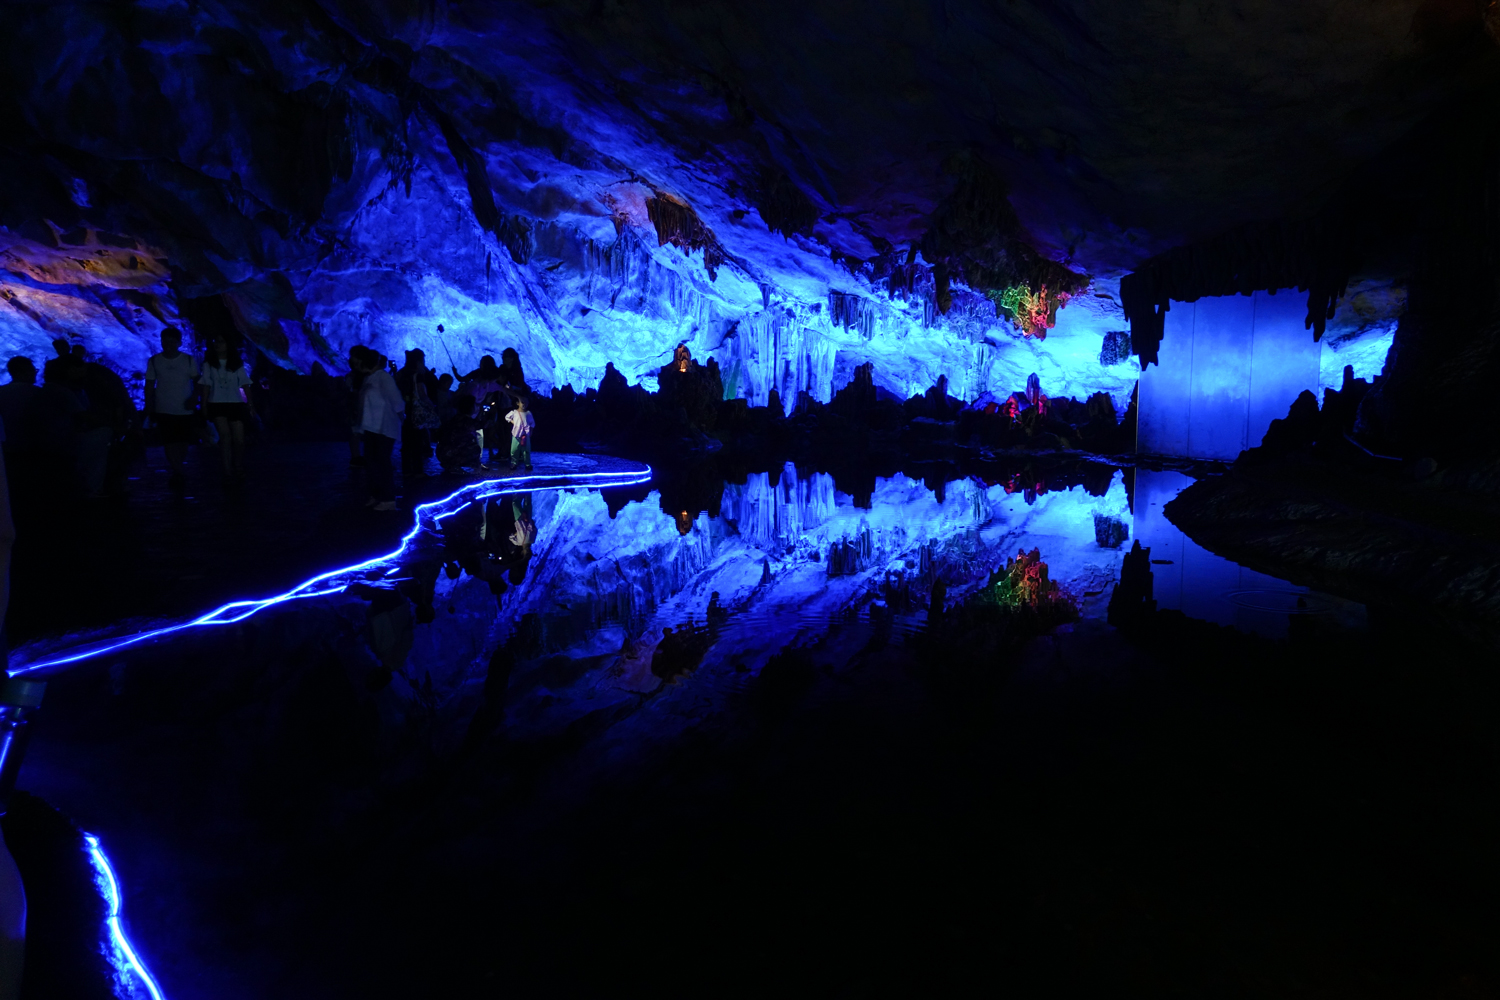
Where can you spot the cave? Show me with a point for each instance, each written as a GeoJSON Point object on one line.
{"type": "Point", "coordinates": [1013, 506]}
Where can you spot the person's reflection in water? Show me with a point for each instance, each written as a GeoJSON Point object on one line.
{"type": "Point", "coordinates": [491, 541]}
{"type": "Point", "coordinates": [521, 538]}
{"type": "Point", "coordinates": [422, 567]}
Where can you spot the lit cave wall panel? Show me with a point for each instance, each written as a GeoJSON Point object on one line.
{"type": "Point", "coordinates": [1229, 365]}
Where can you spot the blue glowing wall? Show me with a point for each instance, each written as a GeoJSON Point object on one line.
{"type": "Point", "coordinates": [1229, 366]}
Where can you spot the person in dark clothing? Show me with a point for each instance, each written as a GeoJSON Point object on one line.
{"type": "Point", "coordinates": [487, 371]}
{"type": "Point", "coordinates": [171, 387]}
{"type": "Point", "coordinates": [110, 407]}
{"type": "Point", "coordinates": [417, 384]}
{"type": "Point", "coordinates": [443, 397]}
{"type": "Point", "coordinates": [512, 379]}
{"type": "Point", "coordinates": [353, 383]}
{"type": "Point", "coordinates": [76, 437]}
{"type": "Point", "coordinates": [22, 412]}
{"type": "Point", "coordinates": [486, 386]}
{"type": "Point", "coordinates": [18, 400]}
{"type": "Point", "coordinates": [458, 441]}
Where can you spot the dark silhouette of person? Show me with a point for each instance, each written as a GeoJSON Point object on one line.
{"type": "Point", "coordinates": [418, 385]}
{"type": "Point", "coordinates": [485, 385]}
{"type": "Point", "coordinates": [18, 401]}
{"type": "Point", "coordinates": [110, 407]}
{"type": "Point", "coordinates": [512, 378]}
{"type": "Point", "coordinates": [381, 412]}
{"type": "Point", "coordinates": [458, 441]}
{"type": "Point", "coordinates": [76, 438]}
{"type": "Point", "coordinates": [353, 383]}
{"type": "Point", "coordinates": [487, 371]}
{"type": "Point", "coordinates": [171, 387]}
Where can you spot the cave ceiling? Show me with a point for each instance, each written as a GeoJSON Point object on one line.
{"type": "Point", "coordinates": [790, 143]}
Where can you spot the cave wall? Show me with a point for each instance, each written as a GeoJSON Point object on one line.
{"type": "Point", "coordinates": [343, 175]}
{"type": "Point", "coordinates": [595, 182]}
{"type": "Point", "coordinates": [1434, 397]}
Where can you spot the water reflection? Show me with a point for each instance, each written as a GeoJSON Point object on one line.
{"type": "Point", "coordinates": [650, 591]}
{"type": "Point", "coordinates": [1189, 578]}
{"type": "Point", "coordinates": [658, 577]}
{"type": "Point", "coordinates": [642, 590]}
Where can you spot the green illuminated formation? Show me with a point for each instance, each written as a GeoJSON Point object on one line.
{"type": "Point", "coordinates": [1033, 312]}
{"type": "Point", "coordinates": [1024, 583]}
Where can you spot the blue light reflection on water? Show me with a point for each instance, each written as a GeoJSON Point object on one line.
{"type": "Point", "coordinates": [605, 584]}
{"type": "Point", "coordinates": [238, 611]}
{"type": "Point", "coordinates": [766, 557]}
{"type": "Point", "coordinates": [1191, 579]}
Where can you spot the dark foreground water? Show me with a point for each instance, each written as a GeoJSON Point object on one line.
{"type": "Point", "coordinates": [576, 738]}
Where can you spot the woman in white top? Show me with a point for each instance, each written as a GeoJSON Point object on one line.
{"type": "Point", "coordinates": [224, 381]}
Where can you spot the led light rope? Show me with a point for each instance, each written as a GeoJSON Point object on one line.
{"type": "Point", "coordinates": [238, 611]}
{"type": "Point", "coordinates": [124, 956]}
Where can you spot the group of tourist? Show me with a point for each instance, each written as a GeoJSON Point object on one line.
{"type": "Point", "coordinates": [463, 415]}
{"type": "Point", "coordinates": [74, 429]}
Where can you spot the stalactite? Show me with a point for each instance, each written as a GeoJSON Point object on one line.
{"type": "Point", "coordinates": [974, 236]}
{"type": "Point", "coordinates": [783, 206]}
{"type": "Point", "coordinates": [680, 226]}
{"type": "Point", "coordinates": [782, 351]}
{"type": "Point", "coordinates": [1312, 257]}
{"type": "Point", "coordinates": [852, 312]}
{"type": "Point", "coordinates": [1033, 312]}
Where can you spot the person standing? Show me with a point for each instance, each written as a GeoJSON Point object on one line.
{"type": "Point", "coordinates": [511, 375]}
{"type": "Point", "coordinates": [354, 384]}
{"type": "Point", "coordinates": [224, 381]}
{"type": "Point", "coordinates": [170, 380]}
{"type": "Point", "coordinates": [111, 410]}
{"type": "Point", "coordinates": [381, 413]}
{"type": "Point", "coordinates": [458, 441]}
{"type": "Point", "coordinates": [521, 425]}
{"type": "Point", "coordinates": [22, 417]}
{"type": "Point", "coordinates": [18, 402]}
{"type": "Point", "coordinates": [89, 426]}
{"type": "Point", "coordinates": [417, 383]}
{"type": "Point", "coordinates": [484, 384]}
{"type": "Point", "coordinates": [12, 891]}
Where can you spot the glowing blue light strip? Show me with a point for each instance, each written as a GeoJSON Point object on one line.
{"type": "Point", "coordinates": [125, 959]}
{"type": "Point", "coordinates": [238, 611]}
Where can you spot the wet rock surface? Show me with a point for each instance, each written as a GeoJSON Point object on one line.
{"type": "Point", "coordinates": [1376, 537]}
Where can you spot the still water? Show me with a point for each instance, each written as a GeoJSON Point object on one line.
{"type": "Point", "coordinates": [590, 626]}
{"type": "Point", "coordinates": [777, 560]}
{"type": "Point", "coordinates": [630, 597]}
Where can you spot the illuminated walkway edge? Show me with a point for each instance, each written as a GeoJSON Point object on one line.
{"type": "Point", "coordinates": [122, 955]}
{"type": "Point", "coordinates": [425, 515]}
